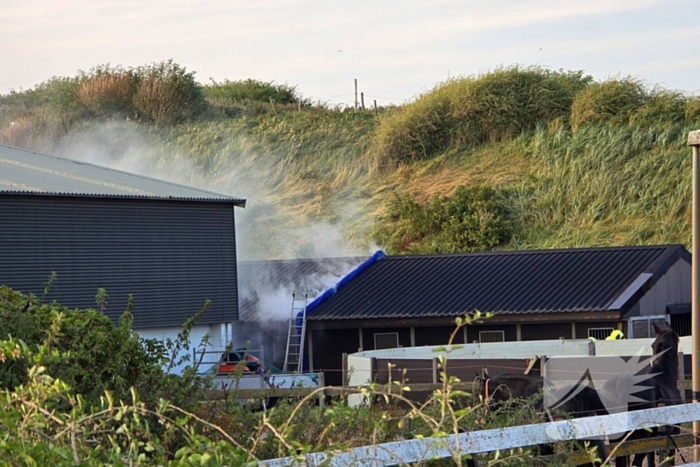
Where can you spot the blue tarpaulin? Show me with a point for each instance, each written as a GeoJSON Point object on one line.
{"type": "Point", "coordinates": [376, 256]}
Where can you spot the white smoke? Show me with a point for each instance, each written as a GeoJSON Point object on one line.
{"type": "Point", "coordinates": [265, 229]}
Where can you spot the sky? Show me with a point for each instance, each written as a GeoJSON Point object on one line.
{"type": "Point", "coordinates": [396, 49]}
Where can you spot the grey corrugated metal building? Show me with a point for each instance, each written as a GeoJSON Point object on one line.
{"type": "Point", "coordinates": [171, 246]}
{"type": "Point", "coordinates": [540, 294]}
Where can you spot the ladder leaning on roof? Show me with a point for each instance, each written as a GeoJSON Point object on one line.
{"type": "Point", "coordinates": [294, 357]}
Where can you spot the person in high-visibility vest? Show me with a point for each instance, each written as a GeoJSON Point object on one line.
{"type": "Point", "coordinates": [615, 335]}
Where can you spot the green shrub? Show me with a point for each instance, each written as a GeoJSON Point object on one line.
{"type": "Point", "coordinates": [692, 110]}
{"type": "Point", "coordinates": [167, 93]}
{"type": "Point", "coordinates": [103, 356]}
{"type": "Point", "coordinates": [473, 219]}
{"type": "Point", "coordinates": [469, 111]}
{"type": "Point", "coordinates": [251, 90]}
{"type": "Point", "coordinates": [416, 131]}
{"type": "Point", "coordinates": [661, 106]}
{"type": "Point", "coordinates": [64, 107]}
{"type": "Point", "coordinates": [612, 101]}
{"type": "Point", "coordinates": [45, 422]}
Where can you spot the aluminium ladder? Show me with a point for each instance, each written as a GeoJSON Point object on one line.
{"type": "Point", "coordinates": [294, 357]}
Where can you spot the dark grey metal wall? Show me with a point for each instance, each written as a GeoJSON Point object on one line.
{"type": "Point", "coordinates": [171, 255]}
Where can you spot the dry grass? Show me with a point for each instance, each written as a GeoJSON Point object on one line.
{"type": "Point", "coordinates": [109, 92]}
{"type": "Point", "coordinates": [23, 132]}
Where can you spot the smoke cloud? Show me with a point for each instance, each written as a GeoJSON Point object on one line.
{"type": "Point", "coordinates": [266, 228]}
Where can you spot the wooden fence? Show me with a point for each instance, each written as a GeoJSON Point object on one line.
{"type": "Point", "coordinates": [218, 394]}
{"type": "Point", "coordinates": [502, 439]}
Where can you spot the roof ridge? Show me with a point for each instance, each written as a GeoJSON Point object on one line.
{"type": "Point", "coordinates": [295, 260]}
{"type": "Point", "coordinates": [534, 251]}
{"type": "Point", "coordinates": [123, 172]}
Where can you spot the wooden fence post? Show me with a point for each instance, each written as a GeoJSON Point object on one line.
{"type": "Point", "coordinates": [436, 371]}
{"type": "Point", "coordinates": [375, 106]}
{"type": "Point", "coordinates": [591, 348]}
{"type": "Point", "coordinates": [681, 374]}
{"type": "Point", "coordinates": [322, 393]}
{"type": "Point", "coordinates": [344, 369]}
{"type": "Point", "coordinates": [355, 94]}
{"type": "Point", "coordinates": [543, 365]}
{"type": "Point", "coordinates": [362, 99]}
{"type": "Point", "coordinates": [346, 376]}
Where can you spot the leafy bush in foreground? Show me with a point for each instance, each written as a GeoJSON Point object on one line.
{"type": "Point", "coordinates": [44, 421]}
{"type": "Point", "coordinates": [101, 356]}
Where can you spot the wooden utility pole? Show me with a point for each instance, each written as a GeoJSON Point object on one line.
{"type": "Point", "coordinates": [362, 99]}
{"type": "Point", "coordinates": [694, 141]}
{"type": "Point", "coordinates": [355, 94]}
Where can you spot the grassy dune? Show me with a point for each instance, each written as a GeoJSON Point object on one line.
{"type": "Point", "coordinates": [573, 162]}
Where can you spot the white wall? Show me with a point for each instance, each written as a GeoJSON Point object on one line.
{"type": "Point", "coordinates": [358, 362]}
{"type": "Point", "coordinates": [196, 337]}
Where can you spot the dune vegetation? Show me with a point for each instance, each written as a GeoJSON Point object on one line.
{"type": "Point", "coordinates": [564, 160]}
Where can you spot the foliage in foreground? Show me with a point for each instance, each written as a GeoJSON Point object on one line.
{"type": "Point", "coordinates": [98, 355]}
{"type": "Point", "coordinates": [45, 421]}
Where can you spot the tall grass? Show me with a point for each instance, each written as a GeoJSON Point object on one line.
{"type": "Point", "coordinates": [606, 185]}
{"type": "Point", "coordinates": [469, 111]}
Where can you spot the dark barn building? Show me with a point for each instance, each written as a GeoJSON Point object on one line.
{"type": "Point", "coordinates": [171, 246]}
{"type": "Point", "coordinates": [543, 294]}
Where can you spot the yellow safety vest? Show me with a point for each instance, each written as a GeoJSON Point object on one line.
{"type": "Point", "coordinates": [616, 334]}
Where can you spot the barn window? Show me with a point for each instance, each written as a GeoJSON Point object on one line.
{"type": "Point", "coordinates": [600, 333]}
{"type": "Point", "coordinates": [386, 340]}
{"type": "Point", "coordinates": [682, 324]}
{"type": "Point", "coordinates": [642, 326]}
{"type": "Point", "coordinates": [492, 336]}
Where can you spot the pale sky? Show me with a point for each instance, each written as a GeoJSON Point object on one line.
{"type": "Point", "coordinates": [397, 49]}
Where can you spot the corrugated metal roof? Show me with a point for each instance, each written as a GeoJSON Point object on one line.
{"type": "Point", "coordinates": [539, 281]}
{"type": "Point", "coordinates": [270, 283]}
{"type": "Point", "coordinates": [27, 172]}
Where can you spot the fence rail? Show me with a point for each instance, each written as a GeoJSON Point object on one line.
{"type": "Point", "coordinates": [218, 394]}
{"type": "Point", "coordinates": [415, 450]}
